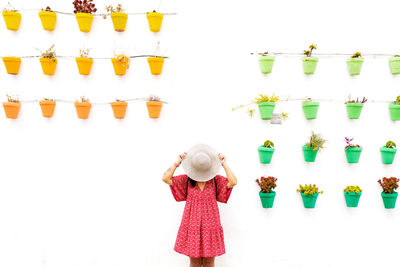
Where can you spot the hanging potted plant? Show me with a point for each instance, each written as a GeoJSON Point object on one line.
{"type": "Point", "coordinates": [11, 17]}
{"type": "Point", "coordinates": [266, 63]}
{"type": "Point", "coordinates": [309, 194]}
{"type": "Point", "coordinates": [155, 20]}
{"type": "Point", "coordinates": [12, 107]}
{"type": "Point", "coordinates": [83, 10]}
{"type": "Point", "coordinates": [121, 64]}
{"type": "Point", "coordinates": [119, 108]}
{"type": "Point", "coordinates": [352, 196]}
{"type": "Point", "coordinates": [267, 195]}
{"type": "Point", "coordinates": [310, 109]}
{"type": "Point", "coordinates": [47, 106]}
{"type": "Point", "coordinates": [48, 19]}
{"type": "Point", "coordinates": [154, 105]}
{"type": "Point", "coordinates": [156, 62]}
{"type": "Point", "coordinates": [355, 63]}
{"type": "Point", "coordinates": [12, 64]}
{"type": "Point", "coordinates": [83, 108]}
{"type": "Point", "coordinates": [266, 105]}
{"type": "Point", "coordinates": [353, 152]}
{"type": "Point", "coordinates": [394, 63]}
{"type": "Point", "coordinates": [354, 107]}
{"type": "Point", "coordinates": [84, 62]}
{"type": "Point", "coordinates": [310, 149]}
{"type": "Point", "coordinates": [118, 17]}
{"type": "Point", "coordinates": [389, 196]}
{"type": "Point", "coordinates": [49, 61]}
{"type": "Point", "coordinates": [310, 62]}
{"type": "Point", "coordinates": [266, 151]}
{"type": "Point", "coordinates": [388, 152]}
{"type": "Point", "coordinates": [394, 109]}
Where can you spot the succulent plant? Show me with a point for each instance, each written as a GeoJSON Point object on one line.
{"type": "Point", "coordinates": [84, 99]}
{"type": "Point", "coordinates": [398, 100]}
{"type": "Point", "coordinates": [312, 47]}
{"type": "Point", "coordinates": [316, 142]}
{"type": "Point", "coordinates": [47, 9]}
{"type": "Point", "coordinates": [84, 52]}
{"type": "Point", "coordinates": [84, 6]}
{"type": "Point", "coordinates": [12, 98]}
{"type": "Point", "coordinates": [390, 144]}
{"type": "Point", "coordinates": [389, 184]}
{"type": "Point", "coordinates": [49, 53]}
{"type": "Point", "coordinates": [265, 98]}
{"type": "Point", "coordinates": [309, 189]}
{"type": "Point", "coordinates": [266, 184]}
{"type": "Point", "coordinates": [363, 100]}
{"type": "Point", "coordinates": [353, 188]}
{"type": "Point", "coordinates": [356, 55]}
{"type": "Point", "coordinates": [154, 98]}
{"type": "Point", "coordinates": [268, 144]}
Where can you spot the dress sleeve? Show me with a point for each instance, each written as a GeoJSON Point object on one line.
{"type": "Point", "coordinates": [223, 193]}
{"type": "Point", "coordinates": [178, 187]}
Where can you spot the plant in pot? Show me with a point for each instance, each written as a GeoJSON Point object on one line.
{"type": "Point", "coordinates": [266, 105]}
{"type": "Point", "coordinates": [12, 64]}
{"type": "Point", "coordinates": [83, 10]}
{"type": "Point", "coordinates": [394, 63]}
{"type": "Point", "coordinates": [119, 108]}
{"type": "Point", "coordinates": [266, 62]}
{"type": "Point", "coordinates": [121, 64]}
{"type": "Point", "coordinates": [49, 61]}
{"type": "Point", "coordinates": [388, 152]}
{"type": "Point", "coordinates": [118, 17]}
{"type": "Point", "coordinates": [266, 151]}
{"type": "Point", "coordinates": [309, 194]}
{"type": "Point", "coordinates": [394, 109]}
{"type": "Point", "coordinates": [310, 62]}
{"type": "Point", "coordinates": [352, 196]}
{"type": "Point", "coordinates": [154, 105]}
{"type": "Point", "coordinates": [12, 107]}
{"type": "Point", "coordinates": [353, 152]}
{"type": "Point", "coordinates": [311, 148]}
{"type": "Point", "coordinates": [354, 107]}
{"type": "Point", "coordinates": [156, 62]}
{"type": "Point", "coordinates": [267, 195]}
{"type": "Point", "coordinates": [155, 20]}
{"type": "Point", "coordinates": [389, 195]}
{"type": "Point", "coordinates": [355, 63]}
{"type": "Point", "coordinates": [11, 17]}
{"type": "Point", "coordinates": [48, 18]}
{"type": "Point", "coordinates": [83, 107]}
{"type": "Point", "coordinates": [310, 109]}
{"type": "Point", "coordinates": [83, 62]}
{"type": "Point", "coordinates": [47, 105]}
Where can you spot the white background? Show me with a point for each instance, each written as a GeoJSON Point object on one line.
{"type": "Point", "coordinates": [88, 193]}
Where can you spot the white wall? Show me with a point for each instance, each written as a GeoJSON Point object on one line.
{"type": "Point", "coordinates": [88, 193]}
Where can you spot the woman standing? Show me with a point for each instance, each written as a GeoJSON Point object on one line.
{"type": "Point", "coordinates": [200, 235]}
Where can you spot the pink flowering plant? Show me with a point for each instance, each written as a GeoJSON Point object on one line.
{"type": "Point", "coordinates": [348, 143]}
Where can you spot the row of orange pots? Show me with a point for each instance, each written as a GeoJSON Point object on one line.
{"type": "Point", "coordinates": [49, 65]}
{"type": "Point", "coordinates": [82, 109]}
{"type": "Point", "coordinates": [48, 19]}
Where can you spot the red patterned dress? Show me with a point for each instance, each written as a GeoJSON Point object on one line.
{"type": "Point", "coordinates": [200, 233]}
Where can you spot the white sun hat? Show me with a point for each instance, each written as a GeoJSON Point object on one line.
{"type": "Point", "coordinates": [201, 163]}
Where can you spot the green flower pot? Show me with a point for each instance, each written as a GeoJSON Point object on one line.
{"type": "Point", "coordinates": [309, 65]}
{"type": "Point", "coordinates": [266, 110]}
{"type": "Point", "coordinates": [394, 63]}
{"type": "Point", "coordinates": [266, 64]}
{"type": "Point", "coordinates": [309, 154]}
{"type": "Point", "coordinates": [309, 200]}
{"type": "Point", "coordinates": [388, 154]}
{"type": "Point", "coordinates": [352, 199]}
{"type": "Point", "coordinates": [353, 154]}
{"type": "Point", "coordinates": [354, 110]}
{"type": "Point", "coordinates": [265, 154]}
{"type": "Point", "coordinates": [394, 111]}
{"type": "Point", "coordinates": [354, 65]}
{"type": "Point", "coordinates": [310, 110]}
{"type": "Point", "coordinates": [267, 199]}
{"type": "Point", "coordinates": [389, 200]}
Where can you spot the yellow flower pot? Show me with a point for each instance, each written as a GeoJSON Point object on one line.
{"type": "Point", "coordinates": [12, 20]}
{"type": "Point", "coordinates": [48, 65]}
{"type": "Point", "coordinates": [120, 66]}
{"type": "Point", "coordinates": [48, 20]}
{"type": "Point", "coordinates": [156, 64]}
{"type": "Point", "coordinates": [155, 20]}
{"type": "Point", "coordinates": [84, 65]}
{"type": "Point", "coordinates": [84, 21]}
{"type": "Point", "coordinates": [119, 21]}
{"type": "Point", "coordinates": [12, 64]}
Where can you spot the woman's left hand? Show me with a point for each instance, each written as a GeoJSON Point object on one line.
{"type": "Point", "coordinates": [222, 158]}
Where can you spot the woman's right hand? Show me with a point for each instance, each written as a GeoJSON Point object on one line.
{"type": "Point", "coordinates": [180, 158]}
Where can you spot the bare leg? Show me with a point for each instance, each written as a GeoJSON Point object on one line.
{"type": "Point", "coordinates": [195, 262]}
{"type": "Point", "coordinates": [208, 262]}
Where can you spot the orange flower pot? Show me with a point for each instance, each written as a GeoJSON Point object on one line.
{"type": "Point", "coordinates": [156, 64]}
{"type": "Point", "coordinates": [154, 109]}
{"type": "Point", "coordinates": [120, 66]}
{"type": "Point", "coordinates": [12, 20]}
{"type": "Point", "coordinates": [47, 107]}
{"type": "Point", "coordinates": [83, 109]}
{"type": "Point", "coordinates": [48, 20]}
{"type": "Point", "coordinates": [12, 64]}
{"type": "Point", "coordinates": [11, 109]}
{"type": "Point", "coordinates": [119, 109]}
{"type": "Point", "coordinates": [84, 65]}
{"type": "Point", "coordinates": [155, 20]}
{"type": "Point", "coordinates": [48, 65]}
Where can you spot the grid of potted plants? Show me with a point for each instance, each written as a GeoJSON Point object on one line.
{"type": "Point", "coordinates": [84, 11]}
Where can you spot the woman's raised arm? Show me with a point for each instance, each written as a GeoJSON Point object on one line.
{"type": "Point", "coordinates": [167, 177]}
{"type": "Point", "coordinates": [232, 180]}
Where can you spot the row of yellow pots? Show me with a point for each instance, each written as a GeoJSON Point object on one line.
{"type": "Point", "coordinates": [82, 109]}
{"type": "Point", "coordinates": [48, 19]}
{"type": "Point", "coordinates": [84, 65]}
